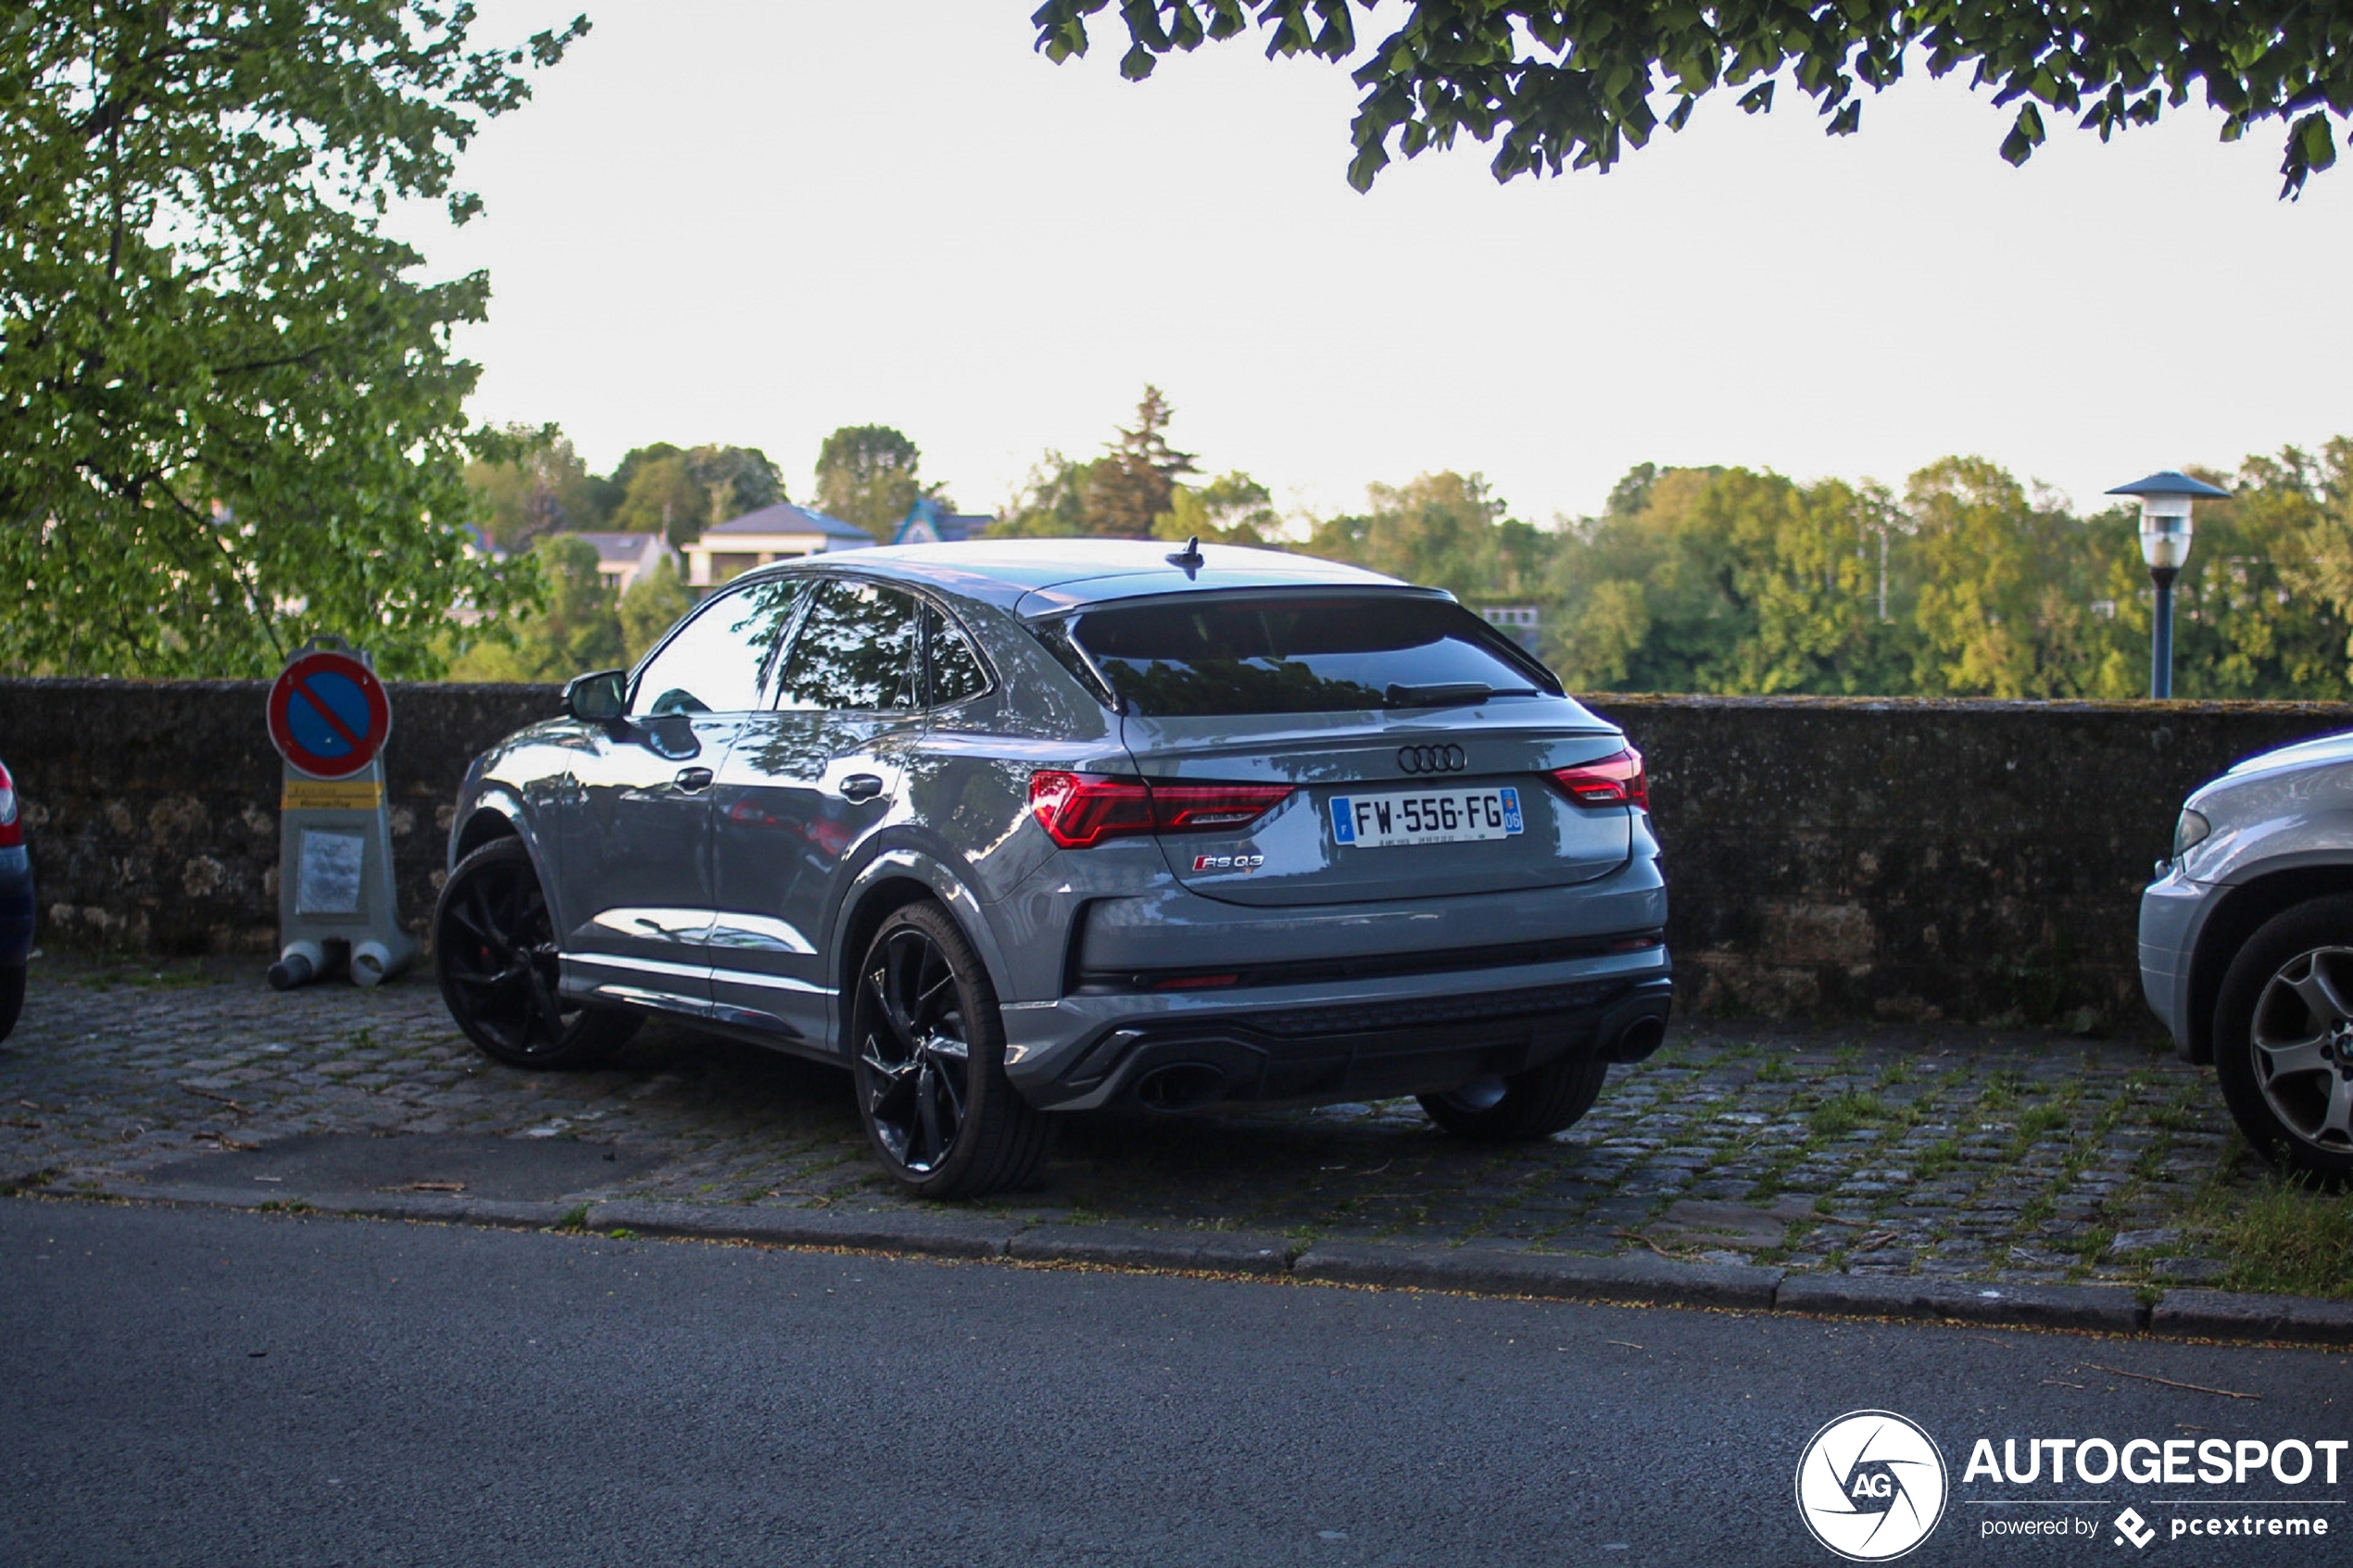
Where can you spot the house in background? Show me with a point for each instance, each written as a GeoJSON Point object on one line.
{"type": "Point", "coordinates": [927, 522]}
{"type": "Point", "coordinates": [624, 561]}
{"type": "Point", "coordinates": [777, 532]}
{"type": "Point", "coordinates": [1523, 623]}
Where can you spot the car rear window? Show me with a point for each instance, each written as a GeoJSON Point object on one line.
{"type": "Point", "coordinates": [1332, 653]}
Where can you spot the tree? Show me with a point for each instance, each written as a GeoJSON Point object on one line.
{"type": "Point", "coordinates": [573, 629]}
{"type": "Point", "coordinates": [653, 605]}
{"type": "Point", "coordinates": [1135, 480]}
{"type": "Point", "coordinates": [870, 475]}
{"type": "Point", "coordinates": [1576, 83]}
{"type": "Point", "coordinates": [228, 407]}
{"type": "Point", "coordinates": [1051, 502]}
{"type": "Point", "coordinates": [681, 490]}
{"type": "Point", "coordinates": [1233, 508]}
{"type": "Point", "coordinates": [1446, 529]}
{"type": "Point", "coordinates": [678, 492]}
{"type": "Point", "coordinates": [544, 489]}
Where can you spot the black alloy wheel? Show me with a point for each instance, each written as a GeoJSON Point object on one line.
{"type": "Point", "coordinates": [930, 1064]}
{"type": "Point", "coordinates": [1534, 1104]}
{"type": "Point", "coordinates": [494, 950]}
{"type": "Point", "coordinates": [2284, 1040]}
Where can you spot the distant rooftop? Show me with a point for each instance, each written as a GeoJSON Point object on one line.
{"type": "Point", "coordinates": [786, 518]}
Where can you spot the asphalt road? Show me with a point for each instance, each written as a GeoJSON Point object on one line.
{"type": "Point", "coordinates": [223, 1388]}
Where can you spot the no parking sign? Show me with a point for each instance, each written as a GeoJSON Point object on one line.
{"type": "Point", "coordinates": [328, 714]}
{"type": "Point", "coordinates": [329, 717]}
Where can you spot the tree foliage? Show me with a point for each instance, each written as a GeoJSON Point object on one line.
{"type": "Point", "coordinates": [229, 415]}
{"type": "Point", "coordinates": [871, 475]}
{"type": "Point", "coordinates": [543, 488]}
{"type": "Point", "coordinates": [1555, 84]}
{"type": "Point", "coordinates": [678, 492]}
{"type": "Point", "coordinates": [1127, 492]}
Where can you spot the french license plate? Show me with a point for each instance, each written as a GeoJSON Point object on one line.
{"type": "Point", "coordinates": [1446, 816]}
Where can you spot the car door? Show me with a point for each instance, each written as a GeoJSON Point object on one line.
{"type": "Point", "coordinates": [635, 868]}
{"type": "Point", "coordinates": [803, 784]}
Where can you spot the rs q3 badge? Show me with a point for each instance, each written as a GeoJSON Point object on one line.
{"type": "Point", "coordinates": [1228, 862]}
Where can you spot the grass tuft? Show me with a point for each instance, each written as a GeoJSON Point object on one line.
{"type": "Point", "coordinates": [2284, 1238]}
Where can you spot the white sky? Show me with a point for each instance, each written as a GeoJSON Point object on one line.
{"type": "Point", "coordinates": [755, 220]}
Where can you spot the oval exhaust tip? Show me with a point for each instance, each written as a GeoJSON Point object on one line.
{"type": "Point", "coordinates": [1181, 1085]}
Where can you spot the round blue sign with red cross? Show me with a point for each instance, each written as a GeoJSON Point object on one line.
{"type": "Point", "coordinates": [329, 715]}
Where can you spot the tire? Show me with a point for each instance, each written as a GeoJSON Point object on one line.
{"type": "Point", "coordinates": [11, 997]}
{"type": "Point", "coordinates": [1534, 1104]}
{"type": "Point", "coordinates": [494, 951]}
{"type": "Point", "coordinates": [2284, 1040]}
{"type": "Point", "coordinates": [927, 1049]}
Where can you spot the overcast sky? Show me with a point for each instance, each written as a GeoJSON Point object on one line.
{"type": "Point", "coordinates": [755, 220]}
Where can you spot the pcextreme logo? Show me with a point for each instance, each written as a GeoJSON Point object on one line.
{"type": "Point", "coordinates": [1870, 1486]}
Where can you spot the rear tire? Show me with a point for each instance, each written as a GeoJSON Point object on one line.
{"type": "Point", "coordinates": [1534, 1104]}
{"type": "Point", "coordinates": [11, 997]}
{"type": "Point", "coordinates": [928, 1054]}
{"type": "Point", "coordinates": [494, 951]}
{"type": "Point", "coordinates": [2284, 1040]}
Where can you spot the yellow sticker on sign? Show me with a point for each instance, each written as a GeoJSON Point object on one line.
{"type": "Point", "coordinates": [331, 795]}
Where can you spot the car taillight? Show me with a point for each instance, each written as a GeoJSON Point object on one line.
{"type": "Point", "coordinates": [1080, 810]}
{"type": "Point", "coordinates": [11, 830]}
{"type": "Point", "coordinates": [1613, 781]}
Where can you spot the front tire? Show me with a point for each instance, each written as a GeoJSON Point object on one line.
{"type": "Point", "coordinates": [928, 1050]}
{"type": "Point", "coordinates": [1534, 1104]}
{"type": "Point", "coordinates": [2284, 1040]}
{"type": "Point", "coordinates": [494, 951]}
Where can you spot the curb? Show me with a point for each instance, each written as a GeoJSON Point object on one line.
{"type": "Point", "coordinates": [1552, 1275]}
{"type": "Point", "coordinates": [2112, 1309]}
{"type": "Point", "coordinates": [2218, 1314]}
{"type": "Point", "coordinates": [2188, 1313]}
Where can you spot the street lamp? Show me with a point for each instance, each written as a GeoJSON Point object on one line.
{"type": "Point", "coordinates": [2165, 544]}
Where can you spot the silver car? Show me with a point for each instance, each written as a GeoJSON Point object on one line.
{"type": "Point", "coordinates": [1019, 829]}
{"type": "Point", "coordinates": [2247, 948]}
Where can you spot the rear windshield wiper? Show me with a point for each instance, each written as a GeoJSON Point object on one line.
{"type": "Point", "coordinates": [1450, 693]}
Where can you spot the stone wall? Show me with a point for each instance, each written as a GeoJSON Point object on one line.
{"type": "Point", "coordinates": [1828, 857]}
{"type": "Point", "coordinates": [151, 807]}
{"type": "Point", "coordinates": [1914, 859]}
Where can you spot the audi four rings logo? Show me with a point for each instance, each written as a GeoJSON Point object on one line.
{"type": "Point", "coordinates": [1431, 758]}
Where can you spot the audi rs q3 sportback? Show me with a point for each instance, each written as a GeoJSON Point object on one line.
{"type": "Point", "coordinates": [1023, 828]}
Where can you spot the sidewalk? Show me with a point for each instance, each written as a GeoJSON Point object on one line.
{"type": "Point", "coordinates": [2009, 1157]}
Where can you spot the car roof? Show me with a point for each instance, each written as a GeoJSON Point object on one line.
{"type": "Point", "coordinates": [1042, 576]}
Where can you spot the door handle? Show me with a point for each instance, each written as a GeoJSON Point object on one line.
{"type": "Point", "coordinates": [691, 781]}
{"type": "Point", "coordinates": [862, 786]}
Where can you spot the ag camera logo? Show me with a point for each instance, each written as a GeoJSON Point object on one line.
{"type": "Point", "coordinates": [1870, 1486]}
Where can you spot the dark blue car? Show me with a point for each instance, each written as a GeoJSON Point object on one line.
{"type": "Point", "coordinates": [16, 905]}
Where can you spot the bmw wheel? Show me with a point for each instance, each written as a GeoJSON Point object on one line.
{"type": "Point", "coordinates": [930, 1064]}
{"type": "Point", "coordinates": [494, 950]}
{"type": "Point", "coordinates": [1534, 1104]}
{"type": "Point", "coordinates": [2284, 1040]}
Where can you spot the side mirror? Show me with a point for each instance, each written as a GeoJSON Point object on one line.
{"type": "Point", "coordinates": [604, 695]}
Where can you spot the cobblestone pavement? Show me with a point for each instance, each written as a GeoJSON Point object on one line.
{"type": "Point", "coordinates": [2004, 1154]}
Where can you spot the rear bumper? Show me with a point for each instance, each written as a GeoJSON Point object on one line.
{"type": "Point", "coordinates": [1364, 1039]}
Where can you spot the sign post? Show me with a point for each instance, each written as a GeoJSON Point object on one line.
{"type": "Point", "coordinates": [329, 719]}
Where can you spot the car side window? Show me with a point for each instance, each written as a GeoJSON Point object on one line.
{"type": "Point", "coordinates": [956, 671]}
{"type": "Point", "coordinates": [855, 651]}
{"type": "Point", "coordinates": [714, 664]}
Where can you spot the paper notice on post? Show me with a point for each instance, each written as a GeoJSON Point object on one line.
{"type": "Point", "coordinates": [328, 881]}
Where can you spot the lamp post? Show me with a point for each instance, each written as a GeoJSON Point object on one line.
{"type": "Point", "coordinates": [2165, 544]}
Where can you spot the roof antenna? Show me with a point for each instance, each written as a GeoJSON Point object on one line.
{"type": "Point", "coordinates": [1189, 557]}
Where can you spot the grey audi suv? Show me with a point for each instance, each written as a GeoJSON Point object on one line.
{"type": "Point", "coordinates": [1017, 829]}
